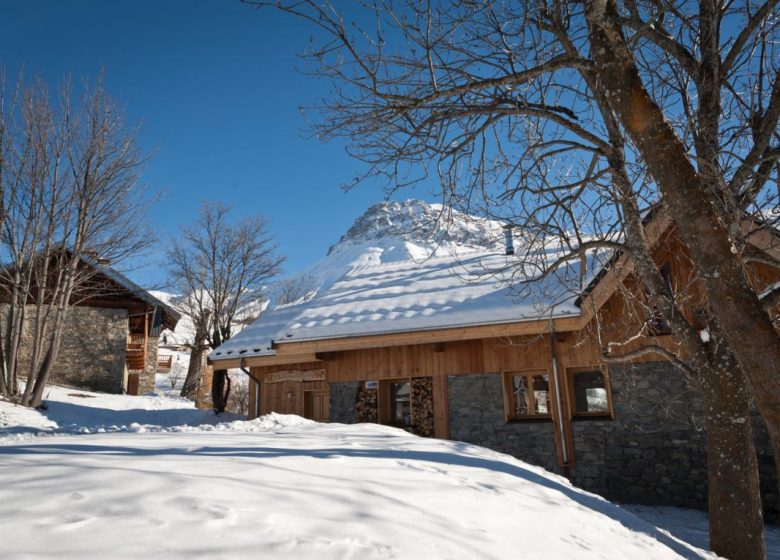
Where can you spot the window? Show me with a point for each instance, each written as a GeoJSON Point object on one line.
{"type": "Point", "coordinates": [589, 392]}
{"type": "Point", "coordinates": [527, 395]}
{"type": "Point", "coordinates": [395, 403]}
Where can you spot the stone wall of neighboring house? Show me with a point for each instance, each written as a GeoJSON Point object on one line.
{"type": "Point", "coordinates": [146, 378]}
{"type": "Point", "coordinates": [92, 352]}
{"type": "Point", "coordinates": [204, 399]}
{"type": "Point", "coordinates": [653, 452]}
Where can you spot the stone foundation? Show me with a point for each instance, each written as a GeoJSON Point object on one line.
{"type": "Point", "coordinates": [343, 401]}
{"type": "Point", "coordinates": [476, 413]}
{"type": "Point", "coordinates": [653, 452]}
{"type": "Point", "coordinates": [147, 377]}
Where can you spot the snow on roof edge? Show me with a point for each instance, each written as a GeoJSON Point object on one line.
{"type": "Point", "coordinates": [233, 354]}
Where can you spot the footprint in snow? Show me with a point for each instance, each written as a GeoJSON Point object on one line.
{"type": "Point", "coordinates": [213, 515]}
{"type": "Point", "coordinates": [77, 496]}
{"type": "Point", "coordinates": [462, 481]}
{"type": "Point", "coordinates": [73, 522]}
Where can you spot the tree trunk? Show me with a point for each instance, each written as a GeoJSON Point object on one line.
{"type": "Point", "coordinates": [191, 386]}
{"type": "Point", "coordinates": [42, 377]}
{"type": "Point", "coordinates": [734, 495]}
{"type": "Point", "coordinates": [693, 207]}
{"type": "Point", "coordinates": [220, 390]}
{"type": "Point", "coordinates": [3, 386]}
{"type": "Point", "coordinates": [39, 375]}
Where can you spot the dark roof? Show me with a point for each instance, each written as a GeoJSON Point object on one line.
{"type": "Point", "coordinates": [169, 315]}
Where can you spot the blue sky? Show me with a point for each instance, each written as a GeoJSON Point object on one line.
{"type": "Point", "coordinates": [215, 86]}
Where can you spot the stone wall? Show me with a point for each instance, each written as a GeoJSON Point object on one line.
{"type": "Point", "coordinates": [476, 412]}
{"type": "Point", "coordinates": [343, 401]}
{"type": "Point", "coordinates": [146, 378]}
{"type": "Point", "coordinates": [653, 452]}
{"type": "Point", "coordinates": [92, 352]}
{"type": "Point", "coordinates": [352, 402]}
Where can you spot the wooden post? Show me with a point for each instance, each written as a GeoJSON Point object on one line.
{"type": "Point", "coordinates": [441, 417]}
{"type": "Point", "coordinates": [146, 338]}
{"type": "Point", "coordinates": [564, 442]}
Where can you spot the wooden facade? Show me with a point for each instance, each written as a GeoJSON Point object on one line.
{"type": "Point", "coordinates": [547, 361]}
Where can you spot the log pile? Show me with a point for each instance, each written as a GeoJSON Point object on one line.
{"type": "Point", "coordinates": [366, 406]}
{"type": "Point", "coordinates": [422, 406]}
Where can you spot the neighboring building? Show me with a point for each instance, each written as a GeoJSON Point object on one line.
{"type": "Point", "coordinates": [111, 335]}
{"type": "Point", "coordinates": [440, 348]}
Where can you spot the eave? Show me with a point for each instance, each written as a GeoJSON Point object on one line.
{"type": "Point", "coordinates": [306, 351]}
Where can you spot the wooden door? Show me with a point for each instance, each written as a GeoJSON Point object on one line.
{"type": "Point", "coordinates": [132, 384]}
{"type": "Point", "coordinates": [316, 405]}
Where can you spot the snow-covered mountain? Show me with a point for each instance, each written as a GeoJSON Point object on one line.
{"type": "Point", "coordinates": [417, 229]}
{"type": "Point", "coordinates": [412, 230]}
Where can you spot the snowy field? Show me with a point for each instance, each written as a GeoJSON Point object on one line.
{"type": "Point", "coordinates": [124, 477]}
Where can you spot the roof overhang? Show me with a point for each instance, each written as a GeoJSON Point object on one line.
{"type": "Point", "coordinates": [293, 352]}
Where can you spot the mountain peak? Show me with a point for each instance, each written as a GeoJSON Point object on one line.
{"type": "Point", "coordinates": [422, 225]}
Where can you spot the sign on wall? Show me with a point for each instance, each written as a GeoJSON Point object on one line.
{"type": "Point", "coordinates": [295, 375]}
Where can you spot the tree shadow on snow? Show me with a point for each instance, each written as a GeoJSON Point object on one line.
{"type": "Point", "coordinates": [589, 501]}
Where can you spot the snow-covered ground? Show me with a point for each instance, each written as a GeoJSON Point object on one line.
{"type": "Point", "coordinates": [168, 481]}
{"type": "Point", "coordinates": [74, 411]}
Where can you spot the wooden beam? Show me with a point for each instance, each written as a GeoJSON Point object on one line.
{"type": "Point", "coordinates": [536, 326]}
{"type": "Point", "coordinates": [761, 237]}
{"type": "Point", "coordinates": [229, 362]}
{"type": "Point", "coordinates": [619, 270]}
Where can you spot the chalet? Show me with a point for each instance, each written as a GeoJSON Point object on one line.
{"type": "Point", "coordinates": [111, 334]}
{"type": "Point", "coordinates": [440, 348]}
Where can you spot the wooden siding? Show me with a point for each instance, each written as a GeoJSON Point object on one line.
{"type": "Point", "coordinates": [617, 310]}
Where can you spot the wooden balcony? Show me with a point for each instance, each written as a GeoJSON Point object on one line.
{"type": "Point", "coordinates": [164, 363]}
{"type": "Point", "coordinates": [136, 352]}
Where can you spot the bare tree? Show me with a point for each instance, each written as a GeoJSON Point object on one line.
{"type": "Point", "coordinates": [295, 289]}
{"type": "Point", "coordinates": [69, 194]}
{"type": "Point", "coordinates": [238, 401]}
{"type": "Point", "coordinates": [575, 121]}
{"type": "Point", "coordinates": [220, 270]}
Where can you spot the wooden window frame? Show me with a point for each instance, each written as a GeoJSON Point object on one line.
{"type": "Point", "coordinates": [383, 401]}
{"type": "Point", "coordinates": [509, 398]}
{"type": "Point", "coordinates": [571, 372]}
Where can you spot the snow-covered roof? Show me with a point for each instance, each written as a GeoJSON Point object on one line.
{"type": "Point", "coordinates": [408, 296]}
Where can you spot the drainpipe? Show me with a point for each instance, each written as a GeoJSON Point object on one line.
{"type": "Point", "coordinates": [565, 451]}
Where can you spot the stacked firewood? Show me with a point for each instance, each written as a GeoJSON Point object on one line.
{"type": "Point", "coordinates": [422, 406]}
{"type": "Point", "coordinates": [366, 406]}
